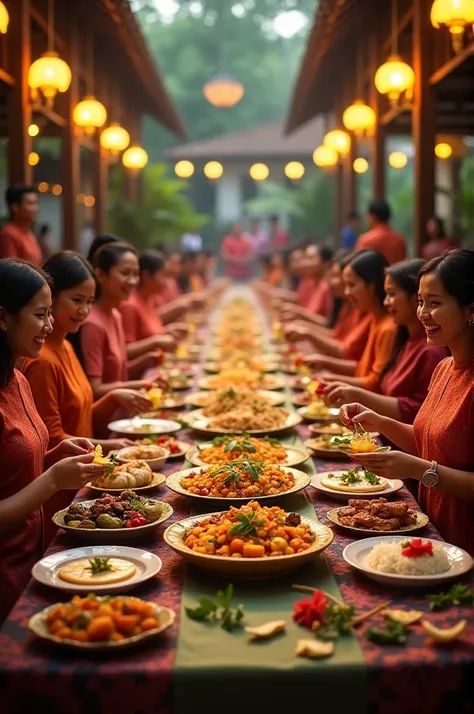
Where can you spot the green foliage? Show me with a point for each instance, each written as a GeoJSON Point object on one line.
{"type": "Point", "coordinates": [163, 214]}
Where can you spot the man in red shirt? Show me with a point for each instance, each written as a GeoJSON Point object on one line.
{"type": "Point", "coordinates": [16, 237]}
{"type": "Point", "coordinates": [381, 236]}
{"type": "Point", "coordinates": [237, 253]}
{"type": "Point", "coordinates": [278, 235]}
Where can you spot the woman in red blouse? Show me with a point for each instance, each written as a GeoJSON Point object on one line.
{"type": "Point", "coordinates": [30, 474]}
{"type": "Point", "coordinates": [406, 376]}
{"type": "Point", "coordinates": [440, 445]}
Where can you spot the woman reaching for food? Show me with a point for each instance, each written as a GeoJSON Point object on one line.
{"type": "Point", "coordinates": [405, 379]}
{"type": "Point", "coordinates": [30, 474]}
{"type": "Point", "coordinates": [363, 280]}
{"type": "Point", "coordinates": [440, 445]}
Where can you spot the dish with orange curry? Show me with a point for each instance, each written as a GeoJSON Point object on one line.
{"type": "Point", "coordinates": [238, 448]}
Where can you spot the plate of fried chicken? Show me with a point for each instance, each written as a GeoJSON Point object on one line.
{"type": "Point", "coordinates": [379, 515]}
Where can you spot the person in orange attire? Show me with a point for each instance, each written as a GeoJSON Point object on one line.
{"type": "Point", "coordinates": [16, 237]}
{"type": "Point", "coordinates": [364, 286]}
{"type": "Point", "coordinates": [272, 269]}
{"type": "Point", "coordinates": [30, 473]}
{"type": "Point", "coordinates": [439, 446]}
{"type": "Point", "coordinates": [380, 235]}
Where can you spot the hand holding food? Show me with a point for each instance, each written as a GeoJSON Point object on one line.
{"type": "Point", "coordinates": [392, 464]}
{"type": "Point", "coordinates": [352, 414]}
{"type": "Point", "coordinates": [108, 462]}
{"type": "Point", "coordinates": [360, 442]}
{"type": "Point", "coordinates": [70, 447]}
{"type": "Point", "coordinates": [75, 471]}
{"type": "Point", "coordinates": [131, 401]}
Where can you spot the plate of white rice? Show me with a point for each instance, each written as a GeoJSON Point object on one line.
{"type": "Point", "coordinates": [381, 559]}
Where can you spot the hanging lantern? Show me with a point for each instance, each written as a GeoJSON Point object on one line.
{"type": "Point", "coordinates": [89, 114]}
{"type": "Point", "coordinates": [33, 130]}
{"type": "Point", "coordinates": [325, 157]}
{"type": "Point", "coordinates": [184, 169]}
{"type": "Point", "coordinates": [338, 140]}
{"type": "Point", "coordinates": [360, 165]}
{"type": "Point", "coordinates": [456, 15]}
{"type": "Point", "coordinates": [135, 158]}
{"type": "Point", "coordinates": [115, 139]}
{"type": "Point", "coordinates": [394, 78]}
{"type": "Point", "coordinates": [398, 160]}
{"type": "Point", "coordinates": [33, 158]}
{"type": "Point", "coordinates": [294, 170]}
{"type": "Point", "coordinates": [359, 118]}
{"type": "Point", "coordinates": [259, 172]}
{"type": "Point", "coordinates": [4, 19]}
{"type": "Point", "coordinates": [49, 75]}
{"type": "Point", "coordinates": [443, 150]}
{"type": "Point", "coordinates": [223, 91]}
{"type": "Point", "coordinates": [213, 170]}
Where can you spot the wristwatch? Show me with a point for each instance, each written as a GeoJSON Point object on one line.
{"type": "Point", "coordinates": [430, 477]}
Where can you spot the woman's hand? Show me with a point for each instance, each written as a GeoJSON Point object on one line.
{"type": "Point", "coordinates": [116, 444]}
{"type": "Point", "coordinates": [151, 359]}
{"type": "Point", "coordinates": [392, 464]}
{"type": "Point", "coordinates": [69, 447]}
{"type": "Point", "coordinates": [75, 471]}
{"type": "Point", "coordinates": [132, 402]}
{"type": "Point", "coordinates": [338, 393]}
{"type": "Point", "coordinates": [352, 414]}
{"type": "Point", "coordinates": [177, 330]}
{"type": "Point", "coordinates": [316, 361]}
{"type": "Point", "coordinates": [294, 331]}
{"type": "Point", "coordinates": [166, 343]}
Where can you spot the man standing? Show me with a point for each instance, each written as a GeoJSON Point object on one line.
{"type": "Point", "coordinates": [257, 237]}
{"type": "Point", "coordinates": [16, 238]}
{"type": "Point", "coordinates": [349, 232]}
{"type": "Point", "coordinates": [278, 235]}
{"type": "Point", "coordinates": [237, 254]}
{"type": "Point", "coordinates": [381, 236]}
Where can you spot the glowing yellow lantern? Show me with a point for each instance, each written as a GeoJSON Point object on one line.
{"type": "Point", "coordinates": [4, 19]}
{"type": "Point", "coordinates": [359, 118]}
{"type": "Point", "coordinates": [360, 165]}
{"type": "Point", "coordinates": [184, 169]}
{"type": "Point", "coordinates": [443, 150]}
{"type": "Point", "coordinates": [57, 189]}
{"type": "Point", "coordinates": [213, 170]}
{"type": "Point", "coordinates": [338, 140]}
{"type": "Point", "coordinates": [90, 114]}
{"type": "Point", "coordinates": [33, 130]}
{"type": "Point", "coordinates": [259, 172]}
{"type": "Point", "coordinates": [456, 15]}
{"type": "Point", "coordinates": [49, 75]}
{"type": "Point", "coordinates": [89, 201]}
{"type": "Point", "coordinates": [294, 170]}
{"type": "Point", "coordinates": [223, 91]}
{"type": "Point", "coordinates": [115, 139]}
{"type": "Point", "coordinates": [33, 158]}
{"type": "Point", "coordinates": [135, 158]}
{"type": "Point", "coordinates": [324, 157]}
{"type": "Point", "coordinates": [398, 160]}
{"type": "Point", "coordinates": [43, 187]}
{"type": "Point", "coordinates": [395, 77]}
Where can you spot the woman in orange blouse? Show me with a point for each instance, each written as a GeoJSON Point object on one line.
{"type": "Point", "coordinates": [440, 445]}
{"type": "Point", "coordinates": [363, 279]}
{"type": "Point", "coordinates": [61, 390]}
{"type": "Point", "coordinates": [30, 474]}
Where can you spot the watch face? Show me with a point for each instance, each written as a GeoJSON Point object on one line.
{"type": "Point", "coordinates": [430, 479]}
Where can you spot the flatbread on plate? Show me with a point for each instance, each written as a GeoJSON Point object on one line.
{"type": "Point", "coordinates": [79, 572]}
{"type": "Point", "coordinates": [362, 486]}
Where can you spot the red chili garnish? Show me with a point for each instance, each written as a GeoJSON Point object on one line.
{"type": "Point", "coordinates": [306, 612]}
{"type": "Point", "coordinates": [415, 548]}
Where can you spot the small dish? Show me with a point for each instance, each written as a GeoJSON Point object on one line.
{"type": "Point", "coordinates": [143, 427]}
{"type": "Point", "coordinates": [158, 479]}
{"type": "Point", "coordinates": [125, 455]}
{"type": "Point", "coordinates": [394, 485]}
{"type": "Point", "coordinates": [422, 520]}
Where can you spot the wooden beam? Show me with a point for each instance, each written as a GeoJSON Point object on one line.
{"type": "Point", "coordinates": [7, 78]}
{"type": "Point", "coordinates": [395, 112]}
{"type": "Point", "coordinates": [378, 139]}
{"type": "Point", "coordinates": [101, 180]}
{"type": "Point", "coordinates": [49, 114]}
{"type": "Point", "coordinates": [403, 22]}
{"type": "Point", "coordinates": [338, 202]}
{"type": "Point", "coordinates": [452, 64]}
{"type": "Point", "coordinates": [424, 122]}
{"type": "Point", "coordinates": [19, 108]}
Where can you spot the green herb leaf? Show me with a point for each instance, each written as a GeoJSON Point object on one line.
{"type": "Point", "coordinates": [230, 446]}
{"type": "Point", "coordinates": [394, 634]}
{"type": "Point", "coordinates": [218, 610]}
{"type": "Point", "coordinates": [99, 565]}
{"type": "Point", "coordinates": [460, 594]}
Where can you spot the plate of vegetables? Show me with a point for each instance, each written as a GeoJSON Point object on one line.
{"type": "Point", "coordinates": [113, 519]}
{"type": "Point", "coordinates": [101, 623]}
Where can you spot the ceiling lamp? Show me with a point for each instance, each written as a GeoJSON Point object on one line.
{"type": "Point", "coordinates": [338, 140]}
{"type": "Point", "coordinates": [57, 189]}
{"type": "Point", "coordinates": [443, 150]}
{"type": "Point", "coordinates": [456, 15]}
{"type": "Point", "coordinates": [223, 91]}
{"type": "Point", "coordinates": [33, 130]}
{"type": "Point", "coordinates": [294, 170]}
{"type": "Point", "coordinates": [184, 169]}
{"type": "Point", "coordinates": [115, 139]}
{"type": "Point", "coordinates": [325, 157]}
{"type": "Point", "coordinates": [398, 160]}
{"type": "Point", "coordinates": [4, 19]}
{"type": "Point", "coordinates": [135, 158]}
{"type": "Point", "coordinates": [395, 77]}
{"type": "Point", "coordinates": [33, 158]}
{"type": "Point", "coordinates": [259, 172]}
{"type": "Point", "coordinates": [213, 170]}
{"type": "Point", "coordinates": [89, 114]}
{"type": "Point", "coordinates": [360, 165]}
{"type": "Point", "coordinates": [359, 118]}
{"type": "Point", "coordinates": [49, 74]}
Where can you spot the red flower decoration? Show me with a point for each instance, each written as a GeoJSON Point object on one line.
{"type": "Point", "coordinates": [299, 361]}
{"type": "Point", "coordinates": [306, 612]}
{"type": "Point", "coordinates": [415, 548]}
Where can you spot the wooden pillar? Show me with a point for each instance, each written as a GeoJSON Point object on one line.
{"type": "Point", "coordinates": [351, 181]}
{"type": "Point", "coordinates": [70, 166]}
{"type": "Point", "coordinates": [132, 178]}
{"type": "Point", "coordinates": [19, 108]}
{"type": "Point", "coordinates": [379, 136]}
{"type": "Point", "coordinates": [338, 201]}
{"type": "Point", "coordinates": [101, 189]}
{"type": "Point", "coordinates": [424, 122]}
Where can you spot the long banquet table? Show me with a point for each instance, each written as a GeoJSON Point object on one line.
{"type": "Point", "coordinates": [194, 668]}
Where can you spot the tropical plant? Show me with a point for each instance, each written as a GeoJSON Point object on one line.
{"type": "Point", "coordinates": [163, 213]}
